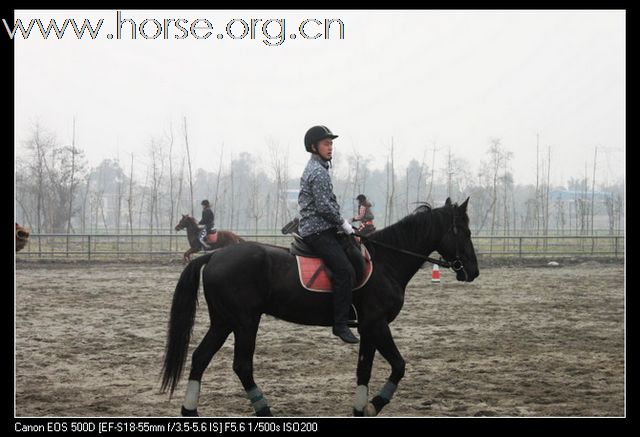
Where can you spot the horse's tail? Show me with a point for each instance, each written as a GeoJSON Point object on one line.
{"type": "Point", "coordinates": [183, 313]}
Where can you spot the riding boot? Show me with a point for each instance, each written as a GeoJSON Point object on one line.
{"type": "Point", "coordinates": [341, 304]}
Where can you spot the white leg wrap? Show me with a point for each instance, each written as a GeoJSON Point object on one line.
{"type": "Point", "coordinates": [193, 393]}
{"type": "Point", "coordinates": [362, 394]}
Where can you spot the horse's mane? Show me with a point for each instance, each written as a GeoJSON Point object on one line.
{"type": "Point", "coordinates": [414, 226]}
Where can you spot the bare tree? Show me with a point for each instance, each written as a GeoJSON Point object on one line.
{"type": "Point", "coordinates": [86, 212]}
{"type": "Point", "coordinates": [256, 209]}
{"type": "Point", "coordinates": [219, 174]}
{"type": "Point", "coordinates": [421, 174]}
{"type": "Point", "coordinates": [39, 144]}
{"type": "Point", "coordinates": [180, 184]}
{"type": "Point", "coordinates": [157, 169]}
{"type": "Point", "coordinates": [99, 200]}
{"type": "Point", "coordinates": [186, 143]}
{"type": "Point", "coordinates": [593, 188]}
{"type": "Point", "coordinates": [233, 194]}
{"type": "Point", "coordinates": [560, 215]}
{"type": "Point", "coordinates": [450, 172]}
{"type": "Point", "coordinates": [495, 153]}
{"type": "Point", "coordinates": [391, 187]}
{"type": "Point", "coordinates": [354, 161]}
{"type": "Point", "coordinates": [279, 166]}
{"type": "Point", "coordinates": [119, 194]}
{"type": "Point", "coordinates": [71, 185]}
{"type": "Point", "coordinates": [130, 199]}
{"type": "Point", "coordinates": [172, 201]}
{"type": "Point", "coordinates": [433, 167]}
{"type": "Point", "coordinates": [54, 175]}
{"type": "Point", "coordinates": [546, 197]}
{"type": "Point", "coordinates": [23, 194]}
{"type": "Point", "coordinates": [75, 154]}
{"type": "Point", "coordinates": [537, 195]}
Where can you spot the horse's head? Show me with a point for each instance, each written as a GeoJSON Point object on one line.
{"type": "Point", "coordinates": [184, 221]}
{"type": "Point", "coordinates": [456, 246]}
{"type": "Point", "coordinates": [21, 232]}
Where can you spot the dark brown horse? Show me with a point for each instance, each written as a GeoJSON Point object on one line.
{"type": "Point", "coordinates": [246, 280]}
{"type": "Point", "coordinates": [225, 238]}
{"type": "Point", "coordinates": [22, 237]}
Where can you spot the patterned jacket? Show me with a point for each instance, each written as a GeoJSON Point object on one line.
{"type": "Point", "coordinates": [319, 209]}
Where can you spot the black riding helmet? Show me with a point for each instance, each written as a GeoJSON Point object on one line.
{"type": "Point", "coordinates": [361, 198]}
{"type": "Point", "coordinates": [205, 203]}
{"type": "Point", "coordinates": [315, 134]}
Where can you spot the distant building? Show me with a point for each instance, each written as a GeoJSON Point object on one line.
{"type": "Point", "coordinates": [572, 195]}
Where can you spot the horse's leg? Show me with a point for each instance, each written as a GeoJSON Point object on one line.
{"type": "Point", "coordinates": [387, 348]}
{"type": "Point", "coordinates": [187, 255]}
{"type": "Point", "coordinates": [365, 362]}
{"type": "Point", "coordinates": [245, 345]}
{"type": "Point", "coordinates": [202, 356]}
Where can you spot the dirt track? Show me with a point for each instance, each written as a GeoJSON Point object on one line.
{"type": "Point", "coordinates": [543, 341]}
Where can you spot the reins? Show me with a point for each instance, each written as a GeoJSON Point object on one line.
{"type": "Point", "coordinates": [440, 262]}
{"type": "Point", "coordinates": [456, 264]}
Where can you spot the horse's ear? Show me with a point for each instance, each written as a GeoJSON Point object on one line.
{"type": "Point", "coordinates": [463, 207]}
{"type": "Point", "coordinates": [448, 202]}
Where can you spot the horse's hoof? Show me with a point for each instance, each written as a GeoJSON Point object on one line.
{"type": "Point", "coordinates": [357, 413]}
{"type": "Point", "coordinates": [189, 413]}
{"type": "Point", "coordinates": [265, 412]}
{"type": "Point", "coordinates": [370, 410]}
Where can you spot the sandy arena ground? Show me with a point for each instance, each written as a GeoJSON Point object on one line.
{"type": "Point", "coordinates": [519, 341]}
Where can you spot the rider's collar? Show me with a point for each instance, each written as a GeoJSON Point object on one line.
{"type": "Point", "coordinates": [319, 158]}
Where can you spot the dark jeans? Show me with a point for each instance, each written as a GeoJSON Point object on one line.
{"type": "Point", "coordinates": [331, 249]}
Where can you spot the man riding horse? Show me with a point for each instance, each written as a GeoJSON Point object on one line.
{"type": "Point", "coordinates": [320, 221]}
{"type": "Point", "coordinates": [365, 216]}
{"type": "Point", "coordinates": [207, 221]}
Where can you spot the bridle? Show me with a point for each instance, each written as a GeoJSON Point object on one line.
{"type": "Point", "coordinates": [456, 264]}
{"type": "Point", "coordinates": [184, 223]}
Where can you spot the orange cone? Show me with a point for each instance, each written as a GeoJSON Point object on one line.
{"type": "Point", "coordinates": [435, 274]}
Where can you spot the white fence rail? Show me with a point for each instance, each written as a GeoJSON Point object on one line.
{"type": "Point", "coordinates": [136, 246]}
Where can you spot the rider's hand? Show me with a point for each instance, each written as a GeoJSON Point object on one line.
{"type": "Point", "coordinates": [348, 229]}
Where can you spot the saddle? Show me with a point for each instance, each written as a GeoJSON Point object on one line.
{"type": "Point", "coordinates": [314, 275]}
{"type": "Point", "coordinates": [210, 239]}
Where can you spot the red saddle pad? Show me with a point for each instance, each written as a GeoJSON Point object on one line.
{"type": "Point", "coordinates": [212, 238]}
{"type": "Point", "coordinates": [313, 273]}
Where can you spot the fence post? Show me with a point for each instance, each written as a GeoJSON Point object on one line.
{"type": "Point", "coordinates": [89, 247]}
{"type": "Point", "coordinates": [520, 247]}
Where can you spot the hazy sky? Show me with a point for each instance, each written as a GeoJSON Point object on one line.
{"type": "Point", "coordinates": [449, 78]}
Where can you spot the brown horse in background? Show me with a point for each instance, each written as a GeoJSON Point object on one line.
{"type": "Point", "coordinates": [22, 237]}
{"type": "Point", "coordinates": [225, 238]}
